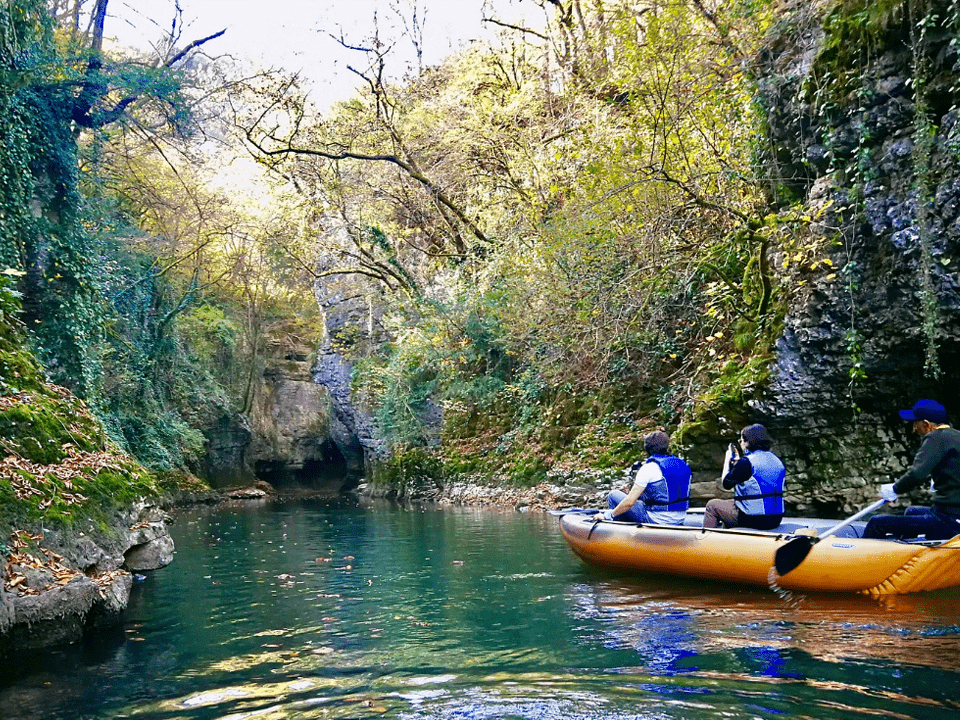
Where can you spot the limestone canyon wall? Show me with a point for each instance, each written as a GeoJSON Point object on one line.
{"type": "Point", "coordinates": [874, 158]}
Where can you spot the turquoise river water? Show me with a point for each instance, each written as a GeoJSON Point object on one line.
{"type": "Point", "coordinates": [314, 610]}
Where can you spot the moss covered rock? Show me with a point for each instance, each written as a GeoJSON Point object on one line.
{"type": "Point", "coordinates": [72, 505]}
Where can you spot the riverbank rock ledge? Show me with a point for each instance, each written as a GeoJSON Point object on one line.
{"type": "Point", "coordinates": [58, 584]}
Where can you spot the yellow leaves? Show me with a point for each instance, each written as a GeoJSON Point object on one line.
{"type": "Point", "coordinates": [806, 260]}
{"type": "Point", "coordinates": [826, 262]}
{"type": "Point", "coordinates": [40, 559]}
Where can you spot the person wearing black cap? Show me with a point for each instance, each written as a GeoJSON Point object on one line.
{"type": "Point", "coordinates": [938, 458]}
{"type": "Point", "coordinates": [756, 479]}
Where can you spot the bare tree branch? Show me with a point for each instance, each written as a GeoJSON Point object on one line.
{"type": "Point", "coordinates": [711, 17]}
{"type": "Point", "coordinates": [518, 28]}
{"type": "Point", "coordinates": [412, 172]}
{"type": "Point", "coordinates": [195, 44]}
{"type": "Point", "coordinates": [96, 87]}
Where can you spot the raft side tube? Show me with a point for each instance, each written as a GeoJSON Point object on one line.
{"type": "Point", "coordinates": [740, 555]}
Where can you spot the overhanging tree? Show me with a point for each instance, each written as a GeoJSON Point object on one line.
{"type": "Point", "coordinates": [58, 84]}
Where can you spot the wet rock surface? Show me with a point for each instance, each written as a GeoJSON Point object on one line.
{"type": "Point", "coordinates": [57, 584]}
{"type": "Point", "coordinates": [228, 437]}
{"type": "Point", "coordinates": [294, 438]}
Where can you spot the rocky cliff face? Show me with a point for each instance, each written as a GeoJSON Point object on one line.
{"type": "Point", "coordinates": [293, 436]}
{"type": "Point", "coordinates": [227, 439]}
{"type": "Point", "coordinates": [351, 326]}
{"type": "Point", "coordinates": [351, 429]}
{"type": "Point", "coordinates": [872, 150]}
{"type": "Point", "coordinates": [296, 436]}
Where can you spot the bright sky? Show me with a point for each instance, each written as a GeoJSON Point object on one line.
{"type": "Point", "coordinates": [295, 34]}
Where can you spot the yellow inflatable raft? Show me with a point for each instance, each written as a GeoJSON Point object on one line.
{"type": "Point", "coordinates": [743, 556]}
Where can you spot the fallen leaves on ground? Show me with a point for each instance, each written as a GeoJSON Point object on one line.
{"type": "Point", "coordinates": [103, 581]}
{"type": "Point", "coordinates": [9, 401]}
{"type": "Point", "coordinates": [32, 479]}
{"type": "Point", "coordinates": [47, 560]}
{"type": "Point", "coordinates": [44, 559]}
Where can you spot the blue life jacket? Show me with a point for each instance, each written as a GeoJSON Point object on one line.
{"type": "Point", "coordinates": [672, 491]}
{"type": "Point", "coordinates": [762, 494]}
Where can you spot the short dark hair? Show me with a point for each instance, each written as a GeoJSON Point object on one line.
{"type": "Point", "coordinates": [756, 437]}
{"type": "Point", "coordinates": [656, 443]}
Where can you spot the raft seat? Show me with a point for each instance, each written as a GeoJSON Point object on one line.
{"type": "Point", "coordinates": [853, 530]}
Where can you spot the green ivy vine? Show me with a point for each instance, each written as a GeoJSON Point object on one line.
{"type": "Point", "coordinates": [41, 226]}
{"type": "Point", "coordinates": [925, 136]}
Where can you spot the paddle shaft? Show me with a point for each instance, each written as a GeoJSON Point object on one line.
{"type": "Point", "coordinates": [853, 518]}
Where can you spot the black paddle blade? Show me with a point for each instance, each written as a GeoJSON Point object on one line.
{"type": "Point", "coordinates": [792, 553]}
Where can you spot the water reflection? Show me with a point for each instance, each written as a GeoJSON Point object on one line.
{"type": "Point", "coordinates": [306, 611]}
{"type": "Point", "coordinates": [810, 646]}
{"type": "Point", "coordinates": [663, 616]}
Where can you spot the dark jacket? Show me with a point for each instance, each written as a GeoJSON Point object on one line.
{"type": "Point", "coordinates": [939, 458]}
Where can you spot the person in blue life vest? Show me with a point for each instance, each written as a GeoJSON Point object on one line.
{"type": "Point", "coordinates": [938, 459]}
{"type": "Point", "coordinates": [756, 478]}
{"type": "Point", "coordinates": [661, 488]}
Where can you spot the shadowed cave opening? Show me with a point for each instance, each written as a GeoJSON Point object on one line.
{"type": "Point", "coordinates": [326, 473]}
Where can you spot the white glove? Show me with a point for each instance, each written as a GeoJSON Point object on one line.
{"type": "Point", "coordinates": [887, 492]}
{"type": "Point", "coordinates": [607, 514]}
